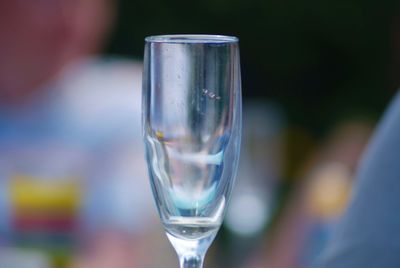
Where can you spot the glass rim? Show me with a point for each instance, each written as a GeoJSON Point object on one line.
{"type": "Point", "coordinates": [192, 38]}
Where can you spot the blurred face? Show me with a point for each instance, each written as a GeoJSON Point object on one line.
{"type": "Point", "coordinates": [39, 37]}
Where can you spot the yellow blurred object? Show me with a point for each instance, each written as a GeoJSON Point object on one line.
{"type": "Point", "coordinates": [30, 193]}
{"type": "Point", "coordinates": [329, 191]}
{"type": "Point", "coordinates": [159, 134]}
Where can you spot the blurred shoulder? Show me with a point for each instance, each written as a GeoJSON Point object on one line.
{"type": "Point", "coordinates": [103, 94]}
{"type": "Point", "coordinates": [109, 73]}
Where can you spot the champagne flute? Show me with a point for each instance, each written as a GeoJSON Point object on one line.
{"type": "Point", "coordinates": [192, 129]}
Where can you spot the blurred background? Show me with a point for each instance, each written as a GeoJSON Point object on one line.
{"type": "Point", "coordinates": [73, 183]}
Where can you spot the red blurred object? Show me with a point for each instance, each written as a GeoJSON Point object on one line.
{"type": "Point", "coordinates": [32, 223]}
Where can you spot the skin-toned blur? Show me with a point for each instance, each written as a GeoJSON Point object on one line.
{"type": "Point", "coordinates": [40, 37]}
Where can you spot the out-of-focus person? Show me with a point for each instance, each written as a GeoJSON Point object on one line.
{"type": "Point", "coordinates": [325, 225]}
{"type": "Point", "coordinates": [72, 172]}
{"type": "Point", "coordinates": [367, 236]}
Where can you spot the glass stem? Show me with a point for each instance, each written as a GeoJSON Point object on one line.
{"type": "Point", "coordinates": [191, 252]}
{"type": "Point", "coordinates": [191, 261]}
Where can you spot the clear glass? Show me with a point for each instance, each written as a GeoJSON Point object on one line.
{"type": "Point", "coordinates": [192, 130]}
